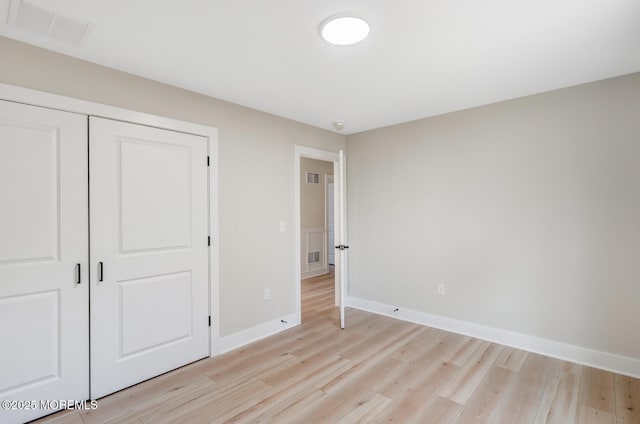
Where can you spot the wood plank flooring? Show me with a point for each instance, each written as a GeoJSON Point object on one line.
{"type": "Point", "coordinates": [377, 370]}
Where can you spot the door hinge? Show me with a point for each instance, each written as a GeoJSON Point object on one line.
{"type": "Point", "coordinates": [209, 320]}
{"type": "Point", "coordinates": [209, 241]}
{"type": "Point", "coordinates": [208, 161]}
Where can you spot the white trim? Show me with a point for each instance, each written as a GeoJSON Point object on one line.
{"type": "Point", "coordinates": [298, 153]}
{"type": "Point", "coordinates": [314, 274]}
{"type": "Point", "coordinates": [312, 153]}
{"type": "Point", "coordinates": [214, 249]}
{"type": "Point", "coordinates": [593, 358]}
{"type": "Point", "coordinates": [83, 107]}
{"type": "Point", "coordinates": [250, 335]}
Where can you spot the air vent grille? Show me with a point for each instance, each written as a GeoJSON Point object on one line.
{"type": "Point", "coordinates": [313, 178]}
{"type": "Point", "coordinates": [313, 257]}
{"type": "Point", "coordinates": [28, 17]}
{"type": "Point", "coordinates": [33, 18]}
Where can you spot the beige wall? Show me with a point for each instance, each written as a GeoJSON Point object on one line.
{"type": "Point", "coordinates": [528, 210]}
{"type": "Point", "coordinates": [312, 196]}
{"type": "Point", "coordinates": [256, 169]}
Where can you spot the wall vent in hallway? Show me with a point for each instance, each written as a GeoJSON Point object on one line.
{"type": "Point", "coordinates": [313, 257]}
{"type": "Point", "coordinates": [313, 178]}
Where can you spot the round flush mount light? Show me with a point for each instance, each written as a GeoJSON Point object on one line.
{"type": "Point", "coordinates": [338, 125]}
{"type": "Point", "coordinates": [344, 29]}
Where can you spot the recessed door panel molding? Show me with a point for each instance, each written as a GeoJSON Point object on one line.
{"type": "Point", "coordinates": [38, 350]}
{"type": "Point", "coordinates": [149, 252]}
{"type": "Point", "coordinates": [155, 195]}
{"type": "Point", "coordinates": [170, 320]}
{"type": "Point", "coordinates": [30, 187]}
{"type": "Point", "coordinates": [43, 257]}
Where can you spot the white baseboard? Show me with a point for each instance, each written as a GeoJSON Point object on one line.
{"type": "Point", "coordinates": [250, 335]}
{"type": "Point", "coordinates": [316, 273]}
{"type": "Point", "coordinates": [593, 358]}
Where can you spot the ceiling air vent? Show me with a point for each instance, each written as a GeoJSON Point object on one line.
{"type": "Point", "coordinates": [35, 19]}
{"type": "Point", "coordinates": [313, 178]}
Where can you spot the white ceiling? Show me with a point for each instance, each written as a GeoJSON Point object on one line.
{"type": "Point", "coordinates": [422, 58]}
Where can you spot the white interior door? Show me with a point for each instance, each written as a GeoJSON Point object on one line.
{"type": "Point", "coordinates": [149, 253]}
{"type": "Point", "coordinates": [44, 296]}
{"type": "Point", "coordinates": [343, 244]}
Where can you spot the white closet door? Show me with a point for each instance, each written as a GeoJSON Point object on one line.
{"type": "Point", "coordinates": [149, 253]}
{"type": "Point", "coordinates": [44, 297]}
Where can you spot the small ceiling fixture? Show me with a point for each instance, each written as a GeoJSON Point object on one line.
{"type": "Point", "coordinates": [338, 125]}
{"type": "Point", "coordinates": [344, 29]}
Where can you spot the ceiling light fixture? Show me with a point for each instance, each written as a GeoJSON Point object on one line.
{"type": "Point", "coordinates": [338, 125]}
{"type": "Point", "coordinates": [344, 29]}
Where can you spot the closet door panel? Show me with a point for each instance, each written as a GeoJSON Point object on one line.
{"type": "Point", "coordinates": [149, 227]}
{"type": "Point", "coordinates": [43, 259]}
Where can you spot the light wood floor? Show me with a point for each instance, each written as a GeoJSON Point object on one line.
{"type": "Point", "coordinates": [377, 370]}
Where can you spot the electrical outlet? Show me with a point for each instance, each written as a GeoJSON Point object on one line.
{"type": "Point", "coordinates": [440, 289]}
{"type": "Point", "coordinates": [267, 294]}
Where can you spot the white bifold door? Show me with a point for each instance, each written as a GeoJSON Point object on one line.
{"type": "Point", "coordinates": [149, 252]}
{"type": "Point", "coordinates": [44, 309]}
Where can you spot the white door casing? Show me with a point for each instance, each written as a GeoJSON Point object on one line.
{"type": "Point", "coordinates": [149, 253]}
{"type": "Point", "coordinates": [43, 258]}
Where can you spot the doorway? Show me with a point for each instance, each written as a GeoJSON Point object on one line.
{"type": "Point", "coordinates": [317, 257]}
{"type": "Point", "coordinates": [312, 244]}
{"type": "Point", "coordinates": [314, 219]}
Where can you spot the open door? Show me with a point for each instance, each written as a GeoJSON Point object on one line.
{"type": "Point", "coordinates": [339, 244]}
{"type": "Point", "coordinates": [342, 246]}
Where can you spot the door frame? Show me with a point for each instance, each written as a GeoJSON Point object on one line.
{"type": "Point", "coordinates": [310, 153]}
{"type": "Point", "coordinates": [69, 104]}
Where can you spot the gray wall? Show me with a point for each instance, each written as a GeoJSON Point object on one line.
{"type": "Point", "coordinates": [256, 168]}
{"type": "Point", "coordinates": [528, 210]}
